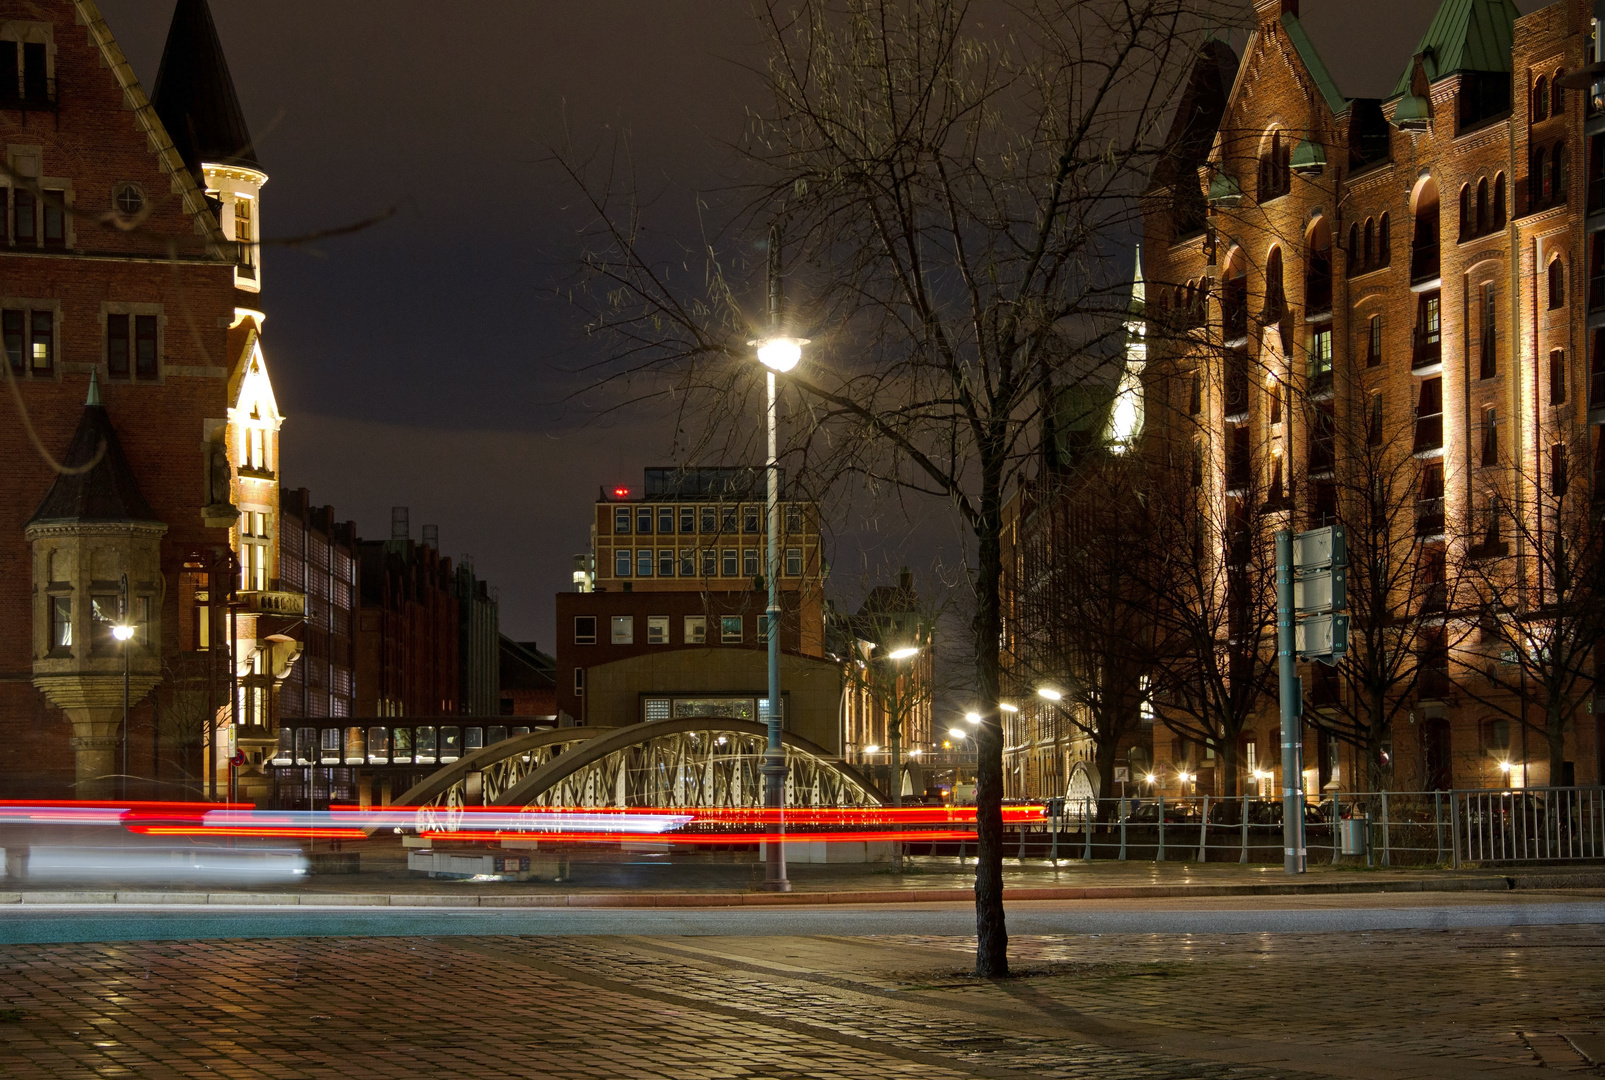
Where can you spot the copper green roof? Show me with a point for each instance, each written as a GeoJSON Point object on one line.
{"type": "Point", "coordinates": [1465, 35]}
{"type": "Point", "coordinates": [1312, 63]}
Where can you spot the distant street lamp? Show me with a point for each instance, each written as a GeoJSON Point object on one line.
{"type": "Point", "coordinates": [1049, 693]}
{"type": "Point", "coordinates": [779, 353]}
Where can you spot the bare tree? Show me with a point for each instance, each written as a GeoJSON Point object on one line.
{"type": "Point", "coordinates": [1537, 580]}
{"type": "Point", "coordinates": [951, 184]}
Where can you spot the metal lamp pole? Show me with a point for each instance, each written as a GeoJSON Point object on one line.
{"type": "Point", "coordinates": [779, 354]}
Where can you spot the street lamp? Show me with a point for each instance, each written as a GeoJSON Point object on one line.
{"type": "Point", "coordinates": [1048, 693]}
{"type": "Point", "coordinates": [973, 717]}
{"type": "Point", "coordinates": [123, 631]}
{"type": "Point", "coordinates": [779, 353]}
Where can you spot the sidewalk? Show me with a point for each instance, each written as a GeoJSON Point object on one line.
{"type": "Point", "coordinates": [622, 880]}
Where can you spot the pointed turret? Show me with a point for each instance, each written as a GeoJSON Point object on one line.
{"type": "Point", "coordinates": [1126, 417]}
{"type": "Point", "coordinates": [194, 93]}
{"type": "Point", "coordinates": [105, 491]}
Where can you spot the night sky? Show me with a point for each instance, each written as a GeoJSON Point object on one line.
{"type": "Point", "coordinates": [426, 362]}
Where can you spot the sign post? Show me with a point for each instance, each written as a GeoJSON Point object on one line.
{"type": "Point", "coordinates": [1311, 588]}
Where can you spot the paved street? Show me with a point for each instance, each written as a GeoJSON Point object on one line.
{"type": "Point", "coordinates": [1471, 1001]}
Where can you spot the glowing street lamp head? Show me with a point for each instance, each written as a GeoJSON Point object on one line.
{"type": "Point", "coordinates": [1006, 707]}
{"type": "Point", "coordinates": [779, 353]}
{"type": "Point", "coordinates": [872, 748]}
{"type": "Point", "coordinates": [1504, 766]}
{"type": "Point", "coordinates": [902, 654]}
{"type": "Point", "coordinates": [122, 633]}
{"type": "Point", "coordinates": [957, 733]}
{"type": "Point", "coordinates": [1050, 693]}
{"type": "Point", "coordinates": [1151, 778]}
{"type": "Point", "coordinates": [973, 717]}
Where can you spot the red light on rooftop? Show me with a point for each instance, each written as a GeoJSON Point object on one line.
{"type": "Point", "coordinates": [621, 493]}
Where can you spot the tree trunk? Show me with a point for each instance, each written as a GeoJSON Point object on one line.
{"type": "Point", "coordinates": [897, 789]}
{"type": "Point", "coordinates": [1227, 755]}
{"type": "Point", "coordinates": [991, 935]}
{"type": "Point", "coordinates": [1555, 732]}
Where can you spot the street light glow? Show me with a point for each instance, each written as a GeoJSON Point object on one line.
{"type": "Point", "coordinates": [1006, 707]}
{"type": "Point", "coordinates": [122, 633]}
{"type": "Point", "coordinates": [957, 733]}
{"type": "Point", "coordinates": [1504, 766]}
{"type": "Point", "coordinates": [903, 654]}
{"type": "Point", "coordinates": [1050, 693]}
{"type": "Point", "coordinates": [973, 717]}
{"type": "Point", "coordinates": [780, 353]}
{"type": "Point", "coordinates": [1151, 778]}
{"type": "Point", "coordinates": [872, 748]}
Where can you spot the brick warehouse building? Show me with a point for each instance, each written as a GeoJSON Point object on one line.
{"type": "Point", "coordinates": [1395, 295]}
{"type": "Point", "coordinates": [124, 279]}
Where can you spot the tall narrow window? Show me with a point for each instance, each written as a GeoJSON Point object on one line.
{"type": "Point", "coordinates": [1428, 331]}
{"type": "Point", "coordinates": [1499, 201]}
{"type": "Point", "coordinates": [1541, 99]}
{"type": "Point", "coordinates": [35, 75]}
{"type": "Point", "coordinates": [1276, 401]}
{"type": "Point", "coordinates": [1557, 376]}
{"type": "Point", "coordinates": [118, 347]}
{"type": "Point", "coordinates": [1369, 257]}
{"type": "Point", "coordinates": [1557, 95]}
{"type": "Point", "coordinates": [1373, 341]}
{"type": "Point", "coordinates": [1483, 221]}
{"type": "Point", "coordinates": [1490, 332]}
{"type": "Point", "coordinates": [1195, 395]}
{"type": "Point", "coordinates": [27, 221]}
{"type": "Point", "coordinates": [42, 341]}
{"type": "Point", "coordinates": [61, 622]}
{"type": "Point", "coordinates": [10, 71]}
{"type": "Point", "coordinates": [1557, 470]}
{"type": "Point", "coordinates": [16, 338]}
{"type": "Point", "coordinates": [1557, 167]}
{"type": "Point", "coordinates": [1490, 436]}
{"type": "Point", "coordinates": [1373, 421]}
{"type": "Point", "coordinates": [55, 215]}
{"type": "Point", "coordinates": [1320, 359]}
{"type": "Point", "coordinates": [1557, 283]}
{"type": "Point", "coordinates": [145, 346]}
{"type": "Point", "coordinates": [1384, 242]}
{"type": "Point", "coordinates": [243, 237]}
{"type": "Point", "coordinates": [1429, 417]}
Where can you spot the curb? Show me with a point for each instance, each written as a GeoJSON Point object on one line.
{"type": "Point", "coordinates": [1479, 883]}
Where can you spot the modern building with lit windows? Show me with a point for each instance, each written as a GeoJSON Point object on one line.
{"type": "Point", "coordinates": [673, 623]}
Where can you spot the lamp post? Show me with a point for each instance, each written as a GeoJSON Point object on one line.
{"type": "Point", "coordinates": [779, 354]}
{"type": "Point", "coordinates": [124, 632]}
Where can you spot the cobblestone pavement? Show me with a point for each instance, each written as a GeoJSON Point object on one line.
{"type": "Point", "coordinates": [1452, 1004]}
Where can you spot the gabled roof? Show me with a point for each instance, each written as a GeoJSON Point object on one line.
{"type": "Point", "coordinates": [1312, 63]}
{"type": "Point", "coordinates": [106, 492]}
{"type": "Point", "coordinates": [1198, 114]}
{"type": "Point", "coordinates": [1465, 35]}
{"type": "Point", "coordinates": [146, 119]}
{"type": "Point", "coordinates": [194, 93]}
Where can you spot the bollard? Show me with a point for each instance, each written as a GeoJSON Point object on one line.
{"type": "Point", "coordinates": [1437, 822]}
{"type": "Point", "coordinates": [1203, 833]}
{"type": "Point", "coordinates": [1161, 856]}
{"type": "Point", "coordinates": [1387, 848]}
{"type": "Point", "coordinates": [1089, 811]}
{"type": "Point", "coordinates": [1124, 813]}
{"type": "Point", "coordinates": [1243, 858]}
{"type": "Point", "coordinates": [1053, 816]}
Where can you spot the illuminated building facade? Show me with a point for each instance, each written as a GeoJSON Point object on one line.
{"type": "Point", "coordinates": [1394, 295]}
{"type": "Point", "coordinates": [119, 268]}
{"type": "Point", "coordinates": [882, 687]}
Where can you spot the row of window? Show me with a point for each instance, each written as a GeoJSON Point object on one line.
{"type": "Point", "coordinates": [687, 520]}
{"type": "Point", "coordinates": [422, 745]}
{"type": "Point", "coordinates": [105, 612]}
{"type": "Point", "coordinates": [621, 630]}
{"type": "Point", "coordinates": [721, 562]}
{"type": "Point", "coordinates": [133, 344]}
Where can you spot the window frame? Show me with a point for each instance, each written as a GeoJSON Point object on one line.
{"type": "Point", "coordinates": [696, 629]}
{"type": "Point", "coordinates": [727, 636]}
{"type": "Point", "coordinates": [621, 630]}
{"type": "Point", "coordinates": [623, 562]}
{"type": "Point", "coordinates": [666, 562]}
{"type": "Point", "coordinates": [645, 562]}
{"type": "Point", "coordinates": [657, 630]}
{"type": "Point", "coordinates": [794, 562]}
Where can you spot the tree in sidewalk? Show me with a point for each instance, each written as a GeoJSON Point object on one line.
{"type": "Point", "coordinates": [1536, 583]}
{"type": "Point", "coordinates": [1218, 614]}
{"type": "Point", "coordinates": [951, 186]}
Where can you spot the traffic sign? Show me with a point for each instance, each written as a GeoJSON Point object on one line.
{"type": "Point", "coordinates": [1324, 590]}
{"type": "Point", "coordinates": [1319, 549]}
{"type": "Point", "coordinates": [1322, 637]}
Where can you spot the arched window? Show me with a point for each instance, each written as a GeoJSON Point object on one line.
{"type": "Point", "coordinates": [1273, 285]}
{"type": "Point", "coordinates": [1558, 168]}
{"type": "Point", "coordinates": [1384, 244]}
{"type": "Point", "coordinates": [1541, 99]}
{"type": "Point", "coordinates": [1318, 267]}
{"type": "Point", "coordinates": [1557, 95]}
{"type": "Point", "coordinates": [1371, 243]}
{"type": "Point", "coordinates": [1483, 222]}
{"type": "Point", "coordinates": [1557, 284]}
{"type": "Point", "coordinates": [1355, 257]}
{"type": "Point", "coordinates": [1424, 263]}
{"type": "Point", "coordinates": [1499, 201]}
{"type": "Point", "coordinates": [1466, 232]}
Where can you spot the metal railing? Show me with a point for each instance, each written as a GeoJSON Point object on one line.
{"type": "Point", "coordinates": [1421, 828]}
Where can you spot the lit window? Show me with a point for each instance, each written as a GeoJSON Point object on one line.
{"type": "Point", "coordinates": [794, 565]}
{"type": "Point", "coordinates": [657, 629]}
{"type": "Point", "coordinates": [61, 622]}
{"type": "Point", "coordinates": [43, 339]}
{"type": "Point", "coordinates": [623, 630]}
{"type": "Point", "coordinates": [621, 562]}
{"type": "Point", "coordinates": [728, 562]}
{"type": "Point", "coordinates": [643, 562]}
{"type": "Point", "coordinates": [696, 629]}
{"type": "Point", "coordinates": [665, 562]}
{"type": "Point", "coordinates": [730, 629]}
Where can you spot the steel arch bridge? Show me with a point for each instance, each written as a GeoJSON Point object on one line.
{"type": "Point", "coordinates": [691, 762]}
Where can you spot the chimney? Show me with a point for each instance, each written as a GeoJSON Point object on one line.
{"type": "Point", "coordinates": [432, 536]}
{"type": "Point", "coordinates": [399, 528]}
